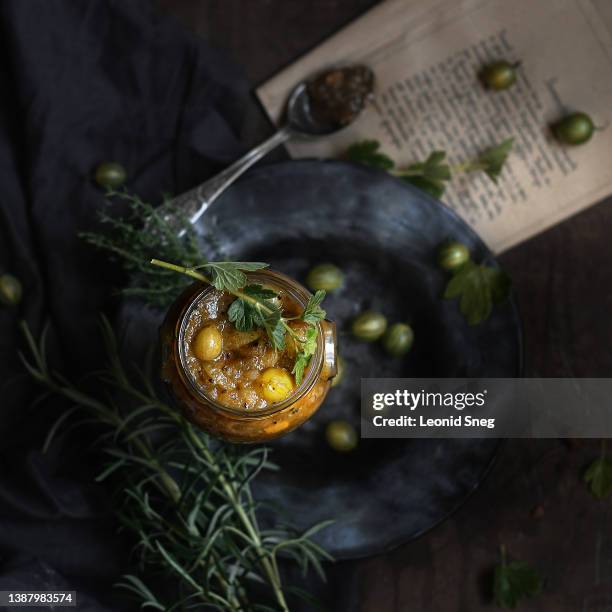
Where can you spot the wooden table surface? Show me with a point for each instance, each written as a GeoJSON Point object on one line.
{"type": "Point", "coordinates": [534, 500]}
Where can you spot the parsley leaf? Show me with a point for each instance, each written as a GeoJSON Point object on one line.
{"type": "Point", "coordinates": [433, 188]}
{"type": "Point", "coordinates": [478, 288]}
{"type": "Point", "coordinates": [433, 168]}
{"type": "Point", "coordinates": [229, 275]}
{"type": "Point", "coordinates": [302, 359]}
{"type": "Point", "coordinates": [274, 327]}
{"type": "Point", "coordinates": [492, 160]}
{"type": "Point", "coordinates": [367, 152]}
{"type": "Point", "coordinates": [313, 313]}
{"type": "Point", "coordinates": [599, 477]}
{"type": "Point", "coordinates": [430, 176]}
{"type": "Point", "coordinates": [513, 582]}
{"type": "Point", "coordinates": [242, 315]}
{"type": "Point", "coordinates": [310, 346]}
{"type": "Point", "coordinates": [246, 314]}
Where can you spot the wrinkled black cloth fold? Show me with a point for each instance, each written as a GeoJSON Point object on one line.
{"type": "Point", "coordinates": [82, 82]}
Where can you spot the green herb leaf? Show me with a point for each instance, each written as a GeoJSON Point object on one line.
{"type": "Point", "coordinates": [302, 359]}
{"type": "Point", "coordinates": [275, 329]}
{"type": "Point", "coordinates": [430, 176]}
{"type": "Point", "coordinates": [478, 287]}
{"type": "Point", "coordinates": [310, 346]}
{"type": "Point", "coordinates": [599, 477]}
{"type": "Point", "coordinates": [513, 582]}
{"type": "Point", "coordinates": [313, 313]}
{"type": "Point", "coordinates": [433, 188]}
{"type": "Point", "coordinates": [433, 168]}
{"type": "Point", "coordinates": [241, 314]}
{"type": "Point", "coordinates": [493, 159]}
{"type": "Point", "coordinates": [245, 314]}
{"type": "Point", "coordinates": [229, 275]}
{"type": "Point", "coordinates": [261, 311]}
{"type": "Point", "coordinates": [259, 292]}
{"type": "Point", "coordinates": [368, 152]}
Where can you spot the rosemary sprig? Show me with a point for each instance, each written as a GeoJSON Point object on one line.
{"type": "Point", "coordinates": [254, 307]}
{"type": "Point", "coordinates": [184, 497]}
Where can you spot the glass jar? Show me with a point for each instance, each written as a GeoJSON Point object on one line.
{"type": "Point", "coordinates": [233, 424]}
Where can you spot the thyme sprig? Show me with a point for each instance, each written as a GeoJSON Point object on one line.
{"type": "Point", "coordinates": [255, 306]}
{"type": "Point", "coordinates": [185, 498]}
{"type": "Point", "coordinates": [142, 232]}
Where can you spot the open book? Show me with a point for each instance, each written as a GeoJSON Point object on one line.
{"type": "Point", "coordinates": [426, 55]}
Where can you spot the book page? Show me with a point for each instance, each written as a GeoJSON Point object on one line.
{"type": "Point", "coordinates": [426, 56]}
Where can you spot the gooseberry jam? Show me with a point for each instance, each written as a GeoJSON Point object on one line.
{"type": "Point", "coordinates": [233, 383]}
{"type": "Point", "coordinates": [239, 369]}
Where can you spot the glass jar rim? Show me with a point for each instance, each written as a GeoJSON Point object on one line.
{"type": "Point", "coordinates": [297, 292]}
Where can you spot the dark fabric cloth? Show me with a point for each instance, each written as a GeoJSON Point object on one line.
{"type": "Point", "coordinates": [81, 82]}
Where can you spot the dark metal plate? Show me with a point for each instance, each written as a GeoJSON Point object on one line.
{"type": "Point", "coordinates": [383, 233]}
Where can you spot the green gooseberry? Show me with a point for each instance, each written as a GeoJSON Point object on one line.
{"type": "Point", "coordinates": [369, 326]}
{"type": "Point", "coordinates": [110, 175]}
{"type": "Point", "coordinates": [574, 129]}
{"type": "Point", "coordinates": [453, 255]}
{"type": "Point", "coordinates": [10, 290]}
{"type": "Point", "coordinates": [327, 277]}
{"type": "Point", "coordinates": [398, 339]}
{"type": "Point", "coordinates": [341, 436]}
{"type": "Point", "coordinates": [499, 75]}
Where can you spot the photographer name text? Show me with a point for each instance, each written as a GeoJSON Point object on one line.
{"type": "Point", "coordinates": [421, 400]}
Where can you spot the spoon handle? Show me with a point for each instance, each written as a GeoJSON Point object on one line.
{"type": "Point", "coordinates": [194, 202]}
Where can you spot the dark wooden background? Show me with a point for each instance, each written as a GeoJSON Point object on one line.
{"type": "Point", "coordinates": [534, 500]}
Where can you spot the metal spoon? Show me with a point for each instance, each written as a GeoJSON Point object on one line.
{"type": "Point", "coordinates": [300, 122]}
